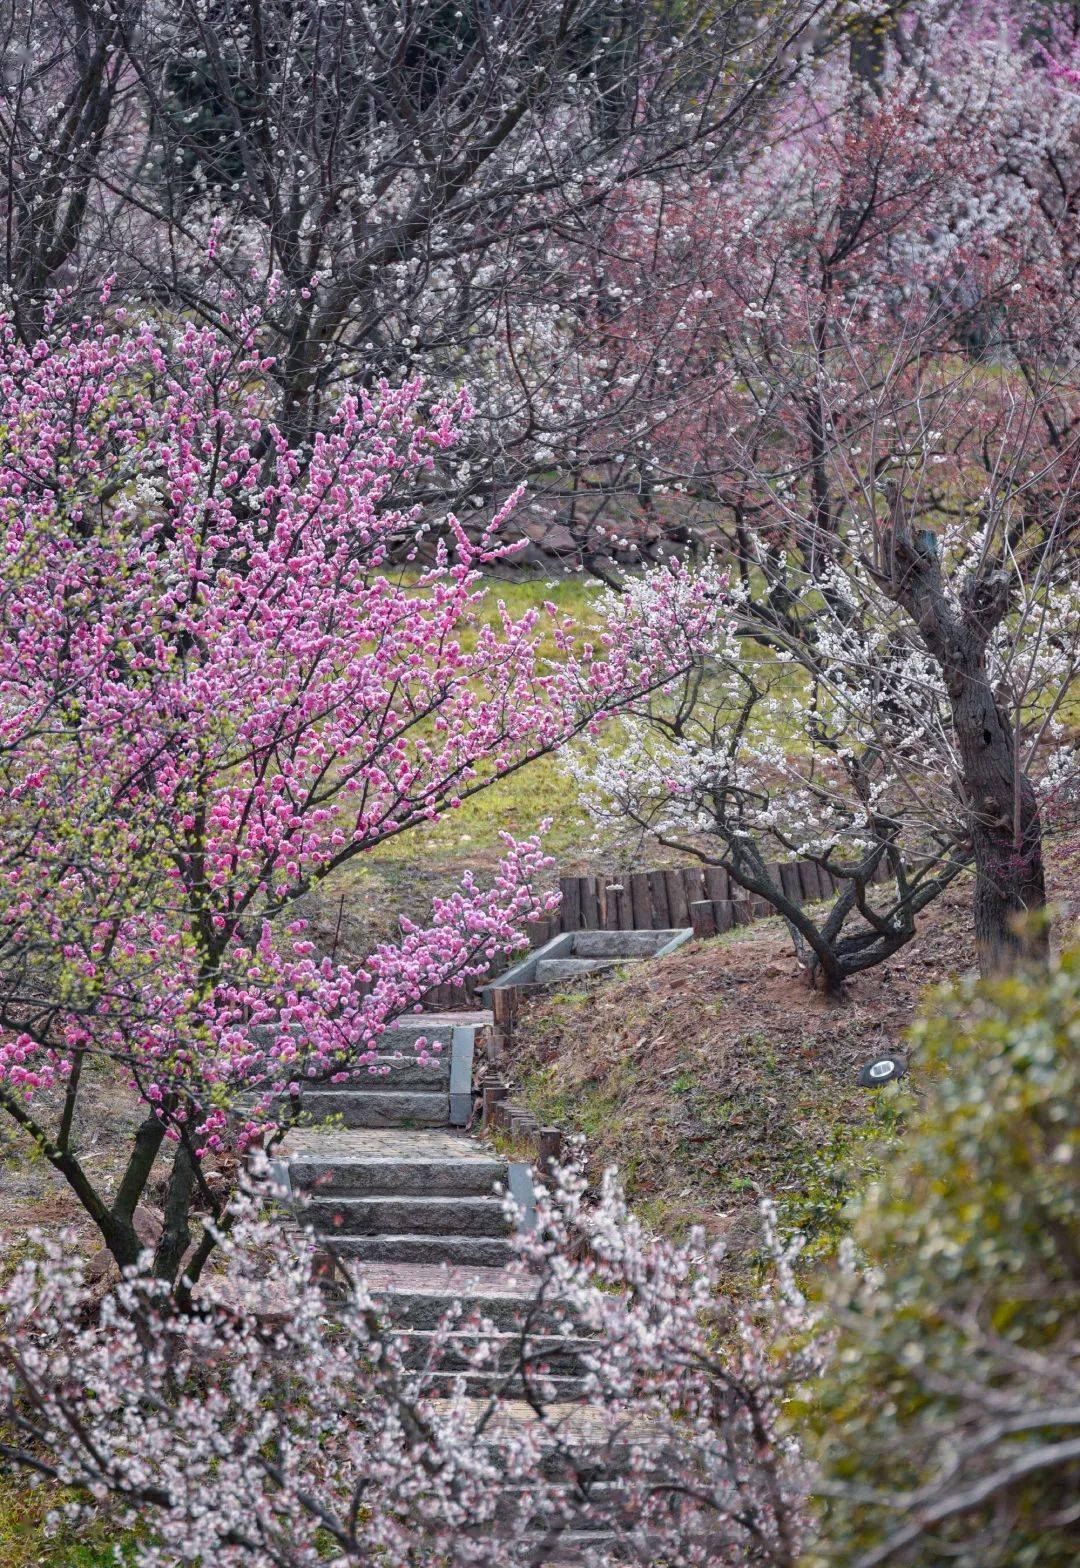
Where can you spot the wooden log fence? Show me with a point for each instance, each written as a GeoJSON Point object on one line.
{"type": "Point", "coordinates": [661, 900]}
{"type": "Point", "coordinates": [699, 896]}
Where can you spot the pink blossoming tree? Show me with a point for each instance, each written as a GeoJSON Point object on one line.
{"type": "Point", "coordinates": [212, 695]}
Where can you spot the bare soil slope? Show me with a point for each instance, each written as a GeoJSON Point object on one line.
{"type": "Point", "coordinates": [715, 1077]}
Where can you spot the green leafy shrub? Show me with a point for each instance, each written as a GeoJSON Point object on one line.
{"type": "Point", "coordinates": [948, 1429]}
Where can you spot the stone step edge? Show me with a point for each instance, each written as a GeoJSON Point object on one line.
{"type": "Point", "coordinates": [346, 1244]}
{"type": "Point", "coordinates": [394, 1108]}
{"type": "Point", "coordinates": [457, 1215]}
{"type": "Point", "coordinates": [521, 976]}
{"type": "Point", "coordinates": [324, 1175]}
{"type": "Point", "coordinates": [458, 1078]}
{"type": "Point", "coordinates": [578, 1343]}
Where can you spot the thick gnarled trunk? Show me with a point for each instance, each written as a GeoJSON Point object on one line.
{"type": "Point", "coordinates": [1003, 813]}
{"type": "Point", "coordinates": [1006, 829]}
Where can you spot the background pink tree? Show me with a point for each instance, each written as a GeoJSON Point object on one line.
{"type": "Point", "coordinates": [861, 386]}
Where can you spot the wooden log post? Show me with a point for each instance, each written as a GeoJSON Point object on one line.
{"type": "Point", "coordinates": [504, 1011]}
{"type": "Point", "coordinates": [809, 881]}
{"type": "Point", "coordinates": [717, 883]}
{"type": "Point", "coordinates": [694, 883]}
{"type": "Point", "coordinates": [522, 1124]}
{"type": "Point", "coordinates": [789, 881]}
{"type": "Point", "coordinates": [723, 913]}
{"type": "Point", "coordinates": [703, 918]}
{"type": "Point", "coordinates": [570, 908]}
{"type": "Point", "coordinates": [639, 901]}
{"type": "Point", "coordinates": [590, 904]}
{"type": "Point", "coordinates": [678, 907]}
{"type": "Point", "coordinates": [494, 1092]}
{"type": "Point", "coordinates": [772, 868]}
{"type": "Point", "coordinates": [658, 902]}
{"type": "Point", "coordinates": [551, 1150]}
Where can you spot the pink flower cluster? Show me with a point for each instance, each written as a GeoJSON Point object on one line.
{"type": "Point", "coordinates": [216, 689]}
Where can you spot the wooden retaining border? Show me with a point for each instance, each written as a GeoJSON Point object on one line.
{"type": "Point", "coordinates": [500, 1113]}
{"type": "Point", "coordinates": [703, 897]}
{"type": "Point", "coordinates": [659, 900]}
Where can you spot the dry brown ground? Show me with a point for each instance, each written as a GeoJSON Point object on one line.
{"type": "Point", "coordinates": [715, 1076]}
{"type": "Point", "coordinates": [705, 1078]}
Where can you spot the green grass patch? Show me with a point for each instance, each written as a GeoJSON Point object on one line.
{"type": "Point", "coordinates": [25, 1541]}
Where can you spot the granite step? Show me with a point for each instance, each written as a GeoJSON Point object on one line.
{"type": "Point", "coordinates": [396, 1044]}
{"type": "Point", "coordinates": [401, 1070]}
{"type": "Point", "coordinates": [554, 1389]}
{"type": "Point", "coordinates": [619, 944]}
{"type": "Point", "coordinates": [576, 1547]}
{"type": "Point", "coordinates": [436, 1178]}
{"type": "Point", "coordinates": [435, 1029]}
{"type": "Point", "coordinates": [556, 1548]}
{"type": "Point", "coordinates": [377, 1107]}
{"type": "Point", "coordinates": [416, 1296]}
{"type": "Point", "coordinates": [411, 1247]}
{"type": "Point", "coordinates": [546, 1353]}
{"type": "Point", "coordinates": [549, 971]}
{"type": "Point", "coordinates": [454, 1216]}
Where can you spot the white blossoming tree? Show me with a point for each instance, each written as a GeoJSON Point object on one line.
{"type": "Point", "coordinates": [276, 1426]}
{"type": "Point", "coordinates": [900, 711]}
{"type": "Point", "coordinates": [871, 406]}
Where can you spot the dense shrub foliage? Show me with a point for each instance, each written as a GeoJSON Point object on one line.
{"type": "Point", "coordinates": [949, 1428]}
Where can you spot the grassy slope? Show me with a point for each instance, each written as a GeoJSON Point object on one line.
{"type": "Point", "coordinates": [714, 1077]}
{"type": "Point", "coordinates": [25, 1544]}
{"type": "Point", "coordinates": [363, 901]}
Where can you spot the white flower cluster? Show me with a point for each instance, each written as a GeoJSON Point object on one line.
{"type": "Point", "coordinates": [277, 1427]}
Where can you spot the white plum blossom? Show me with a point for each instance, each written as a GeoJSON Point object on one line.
{"type": "Point", "coordinates": [279, 1425]}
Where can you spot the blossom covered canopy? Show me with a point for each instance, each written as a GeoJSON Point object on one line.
{"type": "Point", "coordinates": [215, 689]}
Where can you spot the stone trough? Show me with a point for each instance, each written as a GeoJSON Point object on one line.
{"type": "Point", "coordinates": [575, 954]}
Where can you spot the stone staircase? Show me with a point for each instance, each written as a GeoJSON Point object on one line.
{"type": "Point", "coordinates": [386, 1174]}
{"type": "Point", "coordinates": [383, 1164]}
{"type": "Point", "coordinates": [400, 1090]}
{"type": "Point", "coordinates": [402, 1195]}
{"type": "Point", "coordinates": [422, 1209]}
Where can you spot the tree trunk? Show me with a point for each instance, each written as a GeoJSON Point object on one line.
{"type": "Point", "coordinates": [1006, 831]}
{"type": "Point", "coordinates": [176, 1232]}
{"type": "Point", "coordinates": [1003, 813]}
